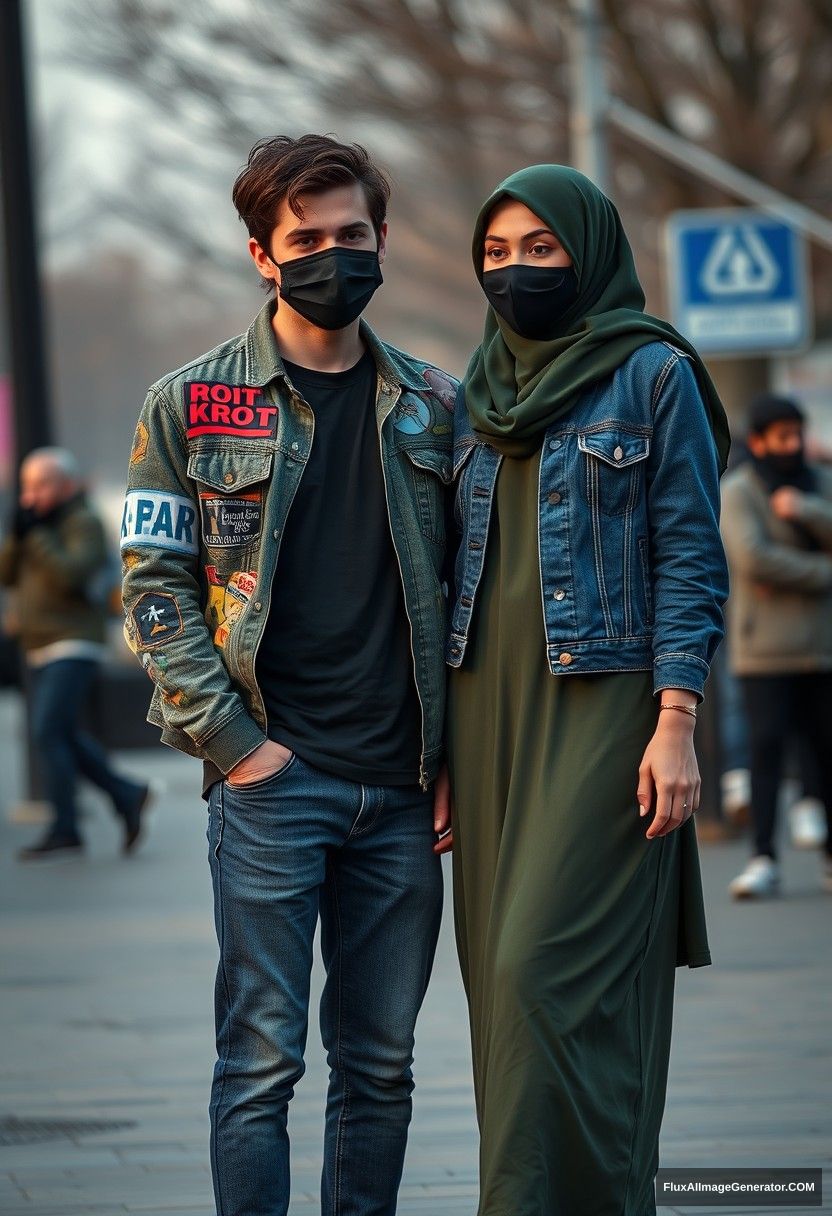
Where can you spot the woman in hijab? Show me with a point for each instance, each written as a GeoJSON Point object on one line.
{"type": "Point", "coordinates": [590, 577]}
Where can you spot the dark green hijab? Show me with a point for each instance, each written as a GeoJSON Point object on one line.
{"type": "Point", "coordinates": [516, 387]}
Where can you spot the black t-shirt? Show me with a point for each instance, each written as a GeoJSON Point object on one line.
{"type": "Point", "coordinates": [334, 664]}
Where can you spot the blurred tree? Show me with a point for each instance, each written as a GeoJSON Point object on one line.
{"type": "Point", "coordinates": [454, 93]}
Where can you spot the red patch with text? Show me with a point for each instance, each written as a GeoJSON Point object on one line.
{"type": "Point", "coordinates": [214, 408]}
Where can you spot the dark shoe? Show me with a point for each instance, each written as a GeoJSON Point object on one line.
{"type": "Point", "coordinates": [52, 846]}
{"type": "Point", "coordinates": [132, 816]}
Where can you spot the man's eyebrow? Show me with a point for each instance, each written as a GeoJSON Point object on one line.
{"type": "Point", "coordinates": [537, 232]}
{"type": "Point", "coordinates": [302, 230]}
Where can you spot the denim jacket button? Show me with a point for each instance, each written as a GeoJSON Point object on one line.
{"type": "Point", "coordinates": [229, 477]}
{"type": "Point", "coordinates": [554, 444]}
{"type": "Point", "coordinates": [619, 452]}
{"type": "Point", "coordinates": [554, 498]}
{"type": "Point", "coordinates": [257, 606]}
{"type": "Point", "coordinates": [560, 594]}
{"type": "Point", "coordinates": [565, 658]}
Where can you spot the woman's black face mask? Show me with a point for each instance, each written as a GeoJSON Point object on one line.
{"type": "Point", "coordinates": [331, 288]}
{"type": "Point", "coordinates": [532, 300]}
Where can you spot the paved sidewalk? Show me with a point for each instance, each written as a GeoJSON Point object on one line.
{"type": "Point", "coordinates": [106, 972]}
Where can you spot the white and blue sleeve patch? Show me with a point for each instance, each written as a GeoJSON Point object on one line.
{"type": "Point", "coordinates": [161, 520]}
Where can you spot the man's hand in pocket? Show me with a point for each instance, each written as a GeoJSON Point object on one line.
{"type": "Point", "coordinates": [266, 760]}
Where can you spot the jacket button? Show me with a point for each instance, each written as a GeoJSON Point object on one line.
{"type": "Point", "coordinates": [295, 447]}
{"type": "Point", "coordinates": [229, 477]}
{"type": "Point", "coordinates": [619, 452]}
{"type": "Point", "coordinates": [565, 658]}
{"type": "Point", "coordinates": [554, 444]}
{"type": "Point", "coordinates": [258, 606]}
{"type": "Point", "coordinates": [560, 594]}
{"type": "Point", "coordinates": [554, 498]}
{"type": "Point", "coordinates": [275, 534]}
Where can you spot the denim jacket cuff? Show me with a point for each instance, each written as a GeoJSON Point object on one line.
{"type": "Point", "coordinates": [677, 669]}
{"type": "Point", "coordinates": [232, 742]}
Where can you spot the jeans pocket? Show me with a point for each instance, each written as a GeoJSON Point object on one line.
{"type": "Point", "coordinates": [264, 781]}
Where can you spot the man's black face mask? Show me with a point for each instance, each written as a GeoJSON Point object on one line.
{"type": "Point", "coordinates": [532, 300]}
{"type": "Point", "coordinates": [331, 288]}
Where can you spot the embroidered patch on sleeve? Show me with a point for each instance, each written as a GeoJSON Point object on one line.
{"type": "Point", "coordinates": [140, 440]}
{"type": "Point", "coordinates": [214, 408]}
{"type": "Point", "coordinates": [164, 521]}
{"type": "Point", "coordinates": [230, 520]}
{"type": "Point", "coordinates": [157, 618]}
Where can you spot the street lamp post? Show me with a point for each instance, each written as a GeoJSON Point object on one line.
{"type": "Point", "coordinates": [27, 347]}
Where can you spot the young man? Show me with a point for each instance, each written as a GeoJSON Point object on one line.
{"type": "Point", "coordinates": [777, 528]}
{"type": "Point", "coordinates": [283, 543]}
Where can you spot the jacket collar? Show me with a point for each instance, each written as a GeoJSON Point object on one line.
{"type": "Point", "coordinates": [264, 364]}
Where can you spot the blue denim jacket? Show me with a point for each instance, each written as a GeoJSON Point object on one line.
{"type": "Point", "coordinates": [632, 571]}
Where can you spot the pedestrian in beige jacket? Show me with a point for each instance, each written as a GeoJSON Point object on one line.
{"type": "Point", "coordinates": [777, 530]}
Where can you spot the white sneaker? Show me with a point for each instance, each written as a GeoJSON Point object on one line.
{"type": "Point", "coordinates": [807, 821]}
{"type": "Point", "coordinates": [761, 877]}
{"type": "Point", "coordinates": [736, 793]}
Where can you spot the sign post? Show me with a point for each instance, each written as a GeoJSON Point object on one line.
{"type": "Point", "coordinates": [738, 282]}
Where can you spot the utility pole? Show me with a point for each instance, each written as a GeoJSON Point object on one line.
{"type": "Point", "coordinates": [588, 92]}
{"type": "Point", "coordinates": [27, 347]}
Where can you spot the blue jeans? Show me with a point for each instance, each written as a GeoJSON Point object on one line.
{"type": "Point", "coordinates": [283, 851]}
{"type": "Point", "coordinates": [59, 693]}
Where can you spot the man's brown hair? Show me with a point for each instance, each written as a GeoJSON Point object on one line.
{"type": "Point", "coordinates": [285, 168]}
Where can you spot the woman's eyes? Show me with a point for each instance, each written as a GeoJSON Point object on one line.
{"type": "Point", "coordinates": [538, 251]}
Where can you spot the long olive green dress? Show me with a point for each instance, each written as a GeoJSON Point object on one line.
{"type": "Point", "coordinates": [570, 923]}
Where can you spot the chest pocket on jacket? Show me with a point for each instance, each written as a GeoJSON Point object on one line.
{"type": "Point", "coordinates": [431, 472]}
{"type": "Point", "coordinates": [231, 492]}
{"type": "Point", "coordinates": [613, 468]}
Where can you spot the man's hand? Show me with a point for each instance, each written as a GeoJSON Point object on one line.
{"type": "Point", "coordinates": [669, 771]}
{"type": "Point", "coordinates": [266, 760]}
{"type": "Point", "coordinates": [786, 503]}
{"type": "Point", "coordinates": [442, 812]}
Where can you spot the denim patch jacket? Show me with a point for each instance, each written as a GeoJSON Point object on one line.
{"type": "Point", "coordinates": [632, 571]}
{"type": "Point", "coordinates": [219, 451]}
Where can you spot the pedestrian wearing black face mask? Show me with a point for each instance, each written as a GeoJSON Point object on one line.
{"type": "Point", "coordinates": [284, 542]}
{"type": "Point", "coordinates": [777, 527]}
{"type": "Point", "coordinates": [588, 441]}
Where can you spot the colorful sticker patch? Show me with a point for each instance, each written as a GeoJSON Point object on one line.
{"type": "Point", "coordinates": [230, 520]}
{"type": "Point", "coordinates": [214, 408]}
{"type": "Point", "coordinates": [156, 666]}
{"type": "Point", "coordinates": [157, 618]}
{"type": "Point", "coordinates": [140, 439]}
{"type": "Point", "coordinates": [442, 385]}
{"type": "Point", "coordinates": [412, 415]}
{"type": "Point", "coordinates": [227, 601]}
{"type": "Point", "coordinates": [164, 521]}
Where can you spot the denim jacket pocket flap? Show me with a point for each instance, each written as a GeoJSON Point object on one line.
{"type": "Point", "coordinates": [229, 471]}
{"type": "Point", "coordinates": [615, 447]}
{"type": "Point", "coordinates": [435, 462]}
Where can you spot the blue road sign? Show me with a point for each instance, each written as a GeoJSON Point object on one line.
{"type": "Point", "coordinates": [738, 281]}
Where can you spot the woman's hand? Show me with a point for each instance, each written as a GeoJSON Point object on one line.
{"type": "Point", "coordinates": [669, 772]}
